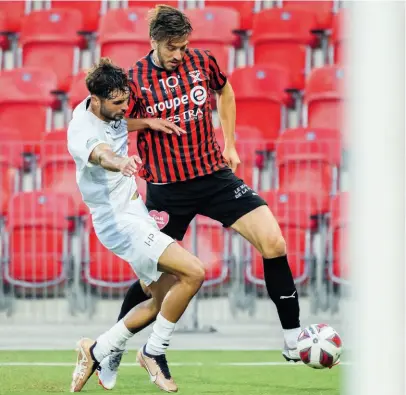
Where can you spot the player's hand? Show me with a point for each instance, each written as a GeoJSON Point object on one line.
{"type": "Point", "coordinates": [162, 125]}
{"type": "Point", "coordinates": [129, 166]}
{"type": "Point", "coordinates": [230, 154]}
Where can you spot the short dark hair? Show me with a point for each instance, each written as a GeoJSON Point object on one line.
{"type": "Point", "coordinates": [105, 78]}
{"type": "Point", "coordinates": [168, 23]}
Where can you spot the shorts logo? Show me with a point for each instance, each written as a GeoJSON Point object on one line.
{"type": "Point", "coordinates": [149, 240]}
{"type": "Point", "coordinates": [161, 218]}
{"type": "Point", "coordinates": [241, 190]}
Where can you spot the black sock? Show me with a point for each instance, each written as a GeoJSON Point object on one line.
{"type": "Point", "coordinates": [282, 290]}
{"type": "Point", "coordinates": [134, 296]}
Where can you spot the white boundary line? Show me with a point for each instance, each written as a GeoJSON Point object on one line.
{"type": "Point", "coordinates": [129, 364]}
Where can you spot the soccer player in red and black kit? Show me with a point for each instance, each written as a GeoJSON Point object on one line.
{"type": "Point", "coordinates": [187, 174]}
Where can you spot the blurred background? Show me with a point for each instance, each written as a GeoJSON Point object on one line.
{"type": "Point", "coordinates": [284, 61]}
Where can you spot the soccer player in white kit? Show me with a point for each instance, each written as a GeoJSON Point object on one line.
{"type": "Point", "coordinates": [97, 140]}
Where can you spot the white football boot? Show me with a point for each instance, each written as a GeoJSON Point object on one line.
{"type": "Point", "coordinates": [290, 354]}
{"type": "Point", "coordinates": [108, 370]}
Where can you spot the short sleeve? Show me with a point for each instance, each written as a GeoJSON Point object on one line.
{"type": "Point", "coordinates": [81, 143]}
{"type": "Point", "coordinates": [136, 107]}
{"type": "Point", "coordinates": [217, 78]}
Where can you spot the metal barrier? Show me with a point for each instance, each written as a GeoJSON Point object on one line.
{"type": "Point", "coordinates": [38, 284]}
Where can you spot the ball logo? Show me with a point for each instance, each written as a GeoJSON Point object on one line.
{"type": "Point", "coordinates": [198, 95]}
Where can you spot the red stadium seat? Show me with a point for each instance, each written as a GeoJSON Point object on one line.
{"type": "Point", "coordinates": [308, 160]}
{"type": "Point", "coordinates": [8, 174]}
{"type": "Point", "coordinates": [245, 8]}
{"type": "Point", "coordinates": [284, 38]}
{"type": "Point", "coordinates": [15, 11]}
{"type": "Point", "coordinates": [102, 268]}
{"type": "Point", "coordinates": [251, 147]}
{"type": "Point", "coordinates": [339, 36]}
{"type": "Point", "coordinates": [324, 10]}
{"type": "Point", "coordinates": [37, 250]}
{"type": "Point", "coordinates": [324, 97]}
{"type": "Point", "coordinates": [151, 3]}
{"type": "Point", "coordinates": [90, 10]}
{"type": "Point", "coordinates": [212, 247]}
{"type": "Point", "coordinates": [58, 170]}
{"type": "Point", "coordinates": [11, 15]}
{"type": "Point", "coordinates": [124, 35]}
{"type": "Point", "coordinates": [50, 37]}
{"type": "Point", "coordinates": [78, 90]}
{"type": "Point", "coordinates": [25, 94]}
{"type": "Point", "coordinates": [11, 161]}
{"type": "Point", "coordinates": [261, 99]}
{"type": "Point", "coordinates": [338, 239]}
{"type": "Point", "coordinates": [213, 30]}
{"type": "Point", "coordinates": [4, 42]}
{"type": "Point", "coordinates": [293, 211]}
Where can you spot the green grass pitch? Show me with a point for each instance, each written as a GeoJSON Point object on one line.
{"type": "Point", "coordinates": [195, 372]}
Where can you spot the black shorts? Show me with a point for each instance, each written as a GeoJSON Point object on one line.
{"type": "Point", "coordinates": [221, 196]}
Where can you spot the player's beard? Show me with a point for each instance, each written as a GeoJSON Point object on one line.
{"type": "Point", "coordinates": [162, 61]}
{"type": "Point", "coordinates": [109, 116]}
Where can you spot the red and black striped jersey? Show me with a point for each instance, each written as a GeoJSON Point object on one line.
{"type": "Point", "coordinates": [182, 96]}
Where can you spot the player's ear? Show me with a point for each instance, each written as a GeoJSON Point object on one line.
{"type": "Point", "coordinates": [95, 100]}
{"type": "Point", "coordinates": [154, 44]}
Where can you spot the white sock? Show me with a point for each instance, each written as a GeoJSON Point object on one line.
{"type": "Point", "coordinates": [160, 337]}
{"type": "Point", "coordinates": [291, 336]}
{"type": "Point", "coordinates": [114, 339]}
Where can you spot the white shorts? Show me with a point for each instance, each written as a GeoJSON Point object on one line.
{"type": "Point", "coordinates": [135, 237]}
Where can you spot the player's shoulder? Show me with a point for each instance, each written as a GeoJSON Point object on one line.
{"type": "Point", "coordinates": [80, 116]}
{"type": "Point", "coordinates": [198, 59]}
{"type": "Point", "coordinates": [81, 120]}
{"type": "Point", "coordinates": [138, 67]}
{"type": "Point", "coordinates": [198, 52]}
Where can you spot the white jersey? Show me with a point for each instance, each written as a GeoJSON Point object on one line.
{"type": "Point", "coordinates": [106, 193]}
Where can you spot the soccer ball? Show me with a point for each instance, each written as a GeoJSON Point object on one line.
{"type": "Point", "coordinates": [319, 346]}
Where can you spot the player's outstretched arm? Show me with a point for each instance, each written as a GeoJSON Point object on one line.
{"type": "Point", "coordinates": [104, 156]}
{"type": "Point", "coordinates": [157, 124]}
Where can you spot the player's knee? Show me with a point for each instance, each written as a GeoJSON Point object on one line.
{"type": "Point", "coordinates": [154, 306]}
{"type": "Point", "coordinates": [196, 274]}
{"type": "Point", "coordinates": [273, 247]}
